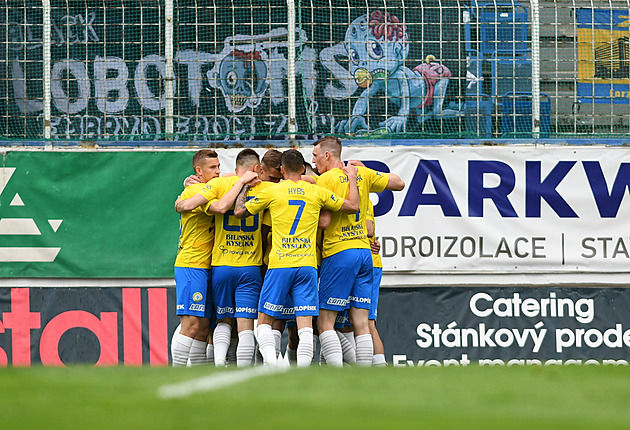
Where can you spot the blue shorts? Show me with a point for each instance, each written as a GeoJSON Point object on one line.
{"type": "Point", "coordinates": [288, 310]}
{"type": "Point", "coordinates": [376, 286]}
{"type": "Point", "coordinates": [346, 278]}
{"type": "Point", "coordinates": [236, 291]}
{"type": "Point", "coordinates": [342, 320]}
{"type": "Point", "coordinates": [194, 292]}
{"type": "Point", "coordinates": [296, 283]}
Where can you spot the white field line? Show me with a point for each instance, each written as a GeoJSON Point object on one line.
{"type": "Point", "coordinates": [216, 381]}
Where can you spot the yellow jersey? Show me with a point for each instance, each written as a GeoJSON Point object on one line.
{"type": "Point", "coordinates": [348, 231]}
{"type": "Point", "coordinates": [196, 234]}
{"type": "Point", "coordinates": [237, 242]}
{"type": "Point", "coordinates": [294, 208]}
{"type": "Point", "coordinates": [376, 258]}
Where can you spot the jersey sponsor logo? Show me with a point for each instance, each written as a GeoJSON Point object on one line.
{"type": "Point", "coordinates": [247, 310]}
{"type": "Point", "coordinates": [272, 307]}
{"type": "Point", "coordinates": [181, 307]}
{"type": "Point", "coordinates": [337, 301]}
{"type": "Point", "coordinates": [360, 299]}
{"type": "Point", "coordinates": [342, 319]}
{"type": "Point", "coordinates": [197, 307]}
{"type": "Point", "coordinates": [305, 308]}
{"type": "Point", "coordinates": [225, 310]}
{"type": "Point", "coordinates": [23, 227]}
{"type": "Point", "coordinates": [197, 297]}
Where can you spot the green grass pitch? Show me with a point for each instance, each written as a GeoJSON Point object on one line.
{"type": "Point", "coordinates": [473, 397]}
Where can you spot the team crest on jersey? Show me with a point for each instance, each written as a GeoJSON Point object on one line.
{"type": "Point", "coordinates": [197, 297]}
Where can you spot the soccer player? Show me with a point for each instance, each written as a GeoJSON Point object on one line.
{"type": "Point", "coordinates": [379, 350]}
{"type": "Point", "coordinates": [236, 275]}
{"type": "Point", "coordinates": [192, 270]}
{"type": "Point", "coordinates": [294, 206]}
{"type": "Point", "coordinates": [346, 272]}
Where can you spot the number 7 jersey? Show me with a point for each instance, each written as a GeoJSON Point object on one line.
{"type": "Point", "coordinates": [294, 208]}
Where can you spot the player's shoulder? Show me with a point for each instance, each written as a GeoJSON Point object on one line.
{"type": "Point", "coordinates": [193, 189]}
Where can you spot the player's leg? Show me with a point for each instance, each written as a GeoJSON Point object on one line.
{"type": "Point", "coordinates": [194, 308]}
{"type": "Point", "coordinates": [246, 299]}
{"type": "Point", "coordinates": [360, 300]}
{"type": "Point", "coordinates": [337, 276]}
{"type": "Point", "coordinates": [379, 349]}
{"type": "Point", "coordinates": [305, 300]}
{"type": "Point", "coordinates": [272, 298]}
{"type": "Point", "coordinates": [223, 286]}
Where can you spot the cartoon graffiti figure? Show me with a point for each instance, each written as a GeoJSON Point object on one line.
{"type": "Point", "coordinates": [242, 78]}
{"type": "Point", "coordinates": [377, 46]}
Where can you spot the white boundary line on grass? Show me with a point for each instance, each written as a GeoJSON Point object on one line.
{"type": "Point", "coordinates": [215, 381]}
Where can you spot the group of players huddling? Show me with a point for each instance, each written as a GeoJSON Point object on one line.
{"type": "Point", "coordinates": [282, 245]}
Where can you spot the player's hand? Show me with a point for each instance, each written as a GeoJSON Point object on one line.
{"type": "Point", "coordinates": [375, 247]}
{"type": "Point", "coordinates": [191, 180]}
{"type": "Point", "coordinates": [250, 178]}
{"type": "Point", "coordinates": [179, 199]}
{"type": "Point", "coordinates": [350, 171]}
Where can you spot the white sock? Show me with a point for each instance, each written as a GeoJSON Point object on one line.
{"type": "Point", "coordinates": [231, 354]}
{"type": "Point", "coordinates": [305, 347]}
{"type": "Point", "coordinates": [291, 355]}
{"type": "Point", "coordinates": [277, 335]}
{"type": "Point", "coordinates": [349, 354]}
{"type": "Point", "coordinates": [266, 344]}
{"type": "Point", "coordinates": [379, 360]}
{"type": "Point", "coordinates": [180, 349]}
{"type": "Point", "coordinates": [221, 341]}
{"type": "Point", "coordinates": [258, 358]}
{"type": "Point", "coordinates": [350, 336]}
{"type": "Point", "coordinates": [210, 354]}
{"type": "Point", "coordinates": [315, 356]}
{"type": "Point", "coordinates": [245, 349]}
{"type": "Point", "coordinates": [365, 349]}
{"type": "Point", "coordinates": [331, 348]}
{"type": "Point", "coordinates": [198, 353]}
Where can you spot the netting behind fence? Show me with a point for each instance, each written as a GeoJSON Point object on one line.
{"type": "Point", "coordinates": [369, 68]}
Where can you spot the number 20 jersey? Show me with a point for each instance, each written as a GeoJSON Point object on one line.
{"type": "Point", "coordinates": [237, 242]}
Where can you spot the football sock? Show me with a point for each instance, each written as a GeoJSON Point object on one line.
{"type": "Point", "coordinates": [180, 349]}
{"type": "Point", "coordinates": [379, 360]}
{"type": "Point", "coordinates": [350, 336]}
{"type": "Point", "coordinates": [210, 353]}
{"type": "Point", "coordinates": [331, 348]}
{"type": "Point", "coordinates": [305, 347]}
{"type": "Point", "coordinates": [245, 349]}
{"type": "Point", "coordinates": [291, 355]}
{"type": "Point", "coordinates": [365, 349]}
{"type": "Point", "coordinates": [221, 341]}
{"type": "Point", "coordinates": [349, 354]}
{"type": "Point", "coordinates": [231, 354]}
{"type": "Point", "coordinates": [266, 344]}
{"type": "Point", "coordinates": [198, 353]}
{"type": "Point", "coordinates": [277, 334]}
{"type": "Point", "coordinates": [315, 356]}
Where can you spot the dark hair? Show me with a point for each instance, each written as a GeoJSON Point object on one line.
{"type": "Point", "coordinates": [272, 158]}
{"type": "Point", "coordinates": [292, 161]}
{"type": "Point", "coordinates": [247, 157]}
{"type": "Point", "coordinates": [201, 155]}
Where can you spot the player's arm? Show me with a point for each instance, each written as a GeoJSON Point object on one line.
{"type": "Point", "coordinates": [351, 204]}
{"type": "Point", "coordinates": [222, 205]}
{"type": "Point", "coordinates": [239, 205]}
{"type": "Point", "coordinates": [370, 227]}
{"type": "Point", "coordinates": [394, 183]}
{"type": "Point", "coordinates": [189, 204]}
{"type": "Point", "coordinates": [325, 216]}
{"type": "Point", "coordinates": [191, 180]}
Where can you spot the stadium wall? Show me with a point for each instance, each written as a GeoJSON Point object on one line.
{"type": "Point", "coordinates": [503, 242]}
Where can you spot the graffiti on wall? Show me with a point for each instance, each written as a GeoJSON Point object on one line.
{"type": "Point", "coordinates": [366, 82]}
